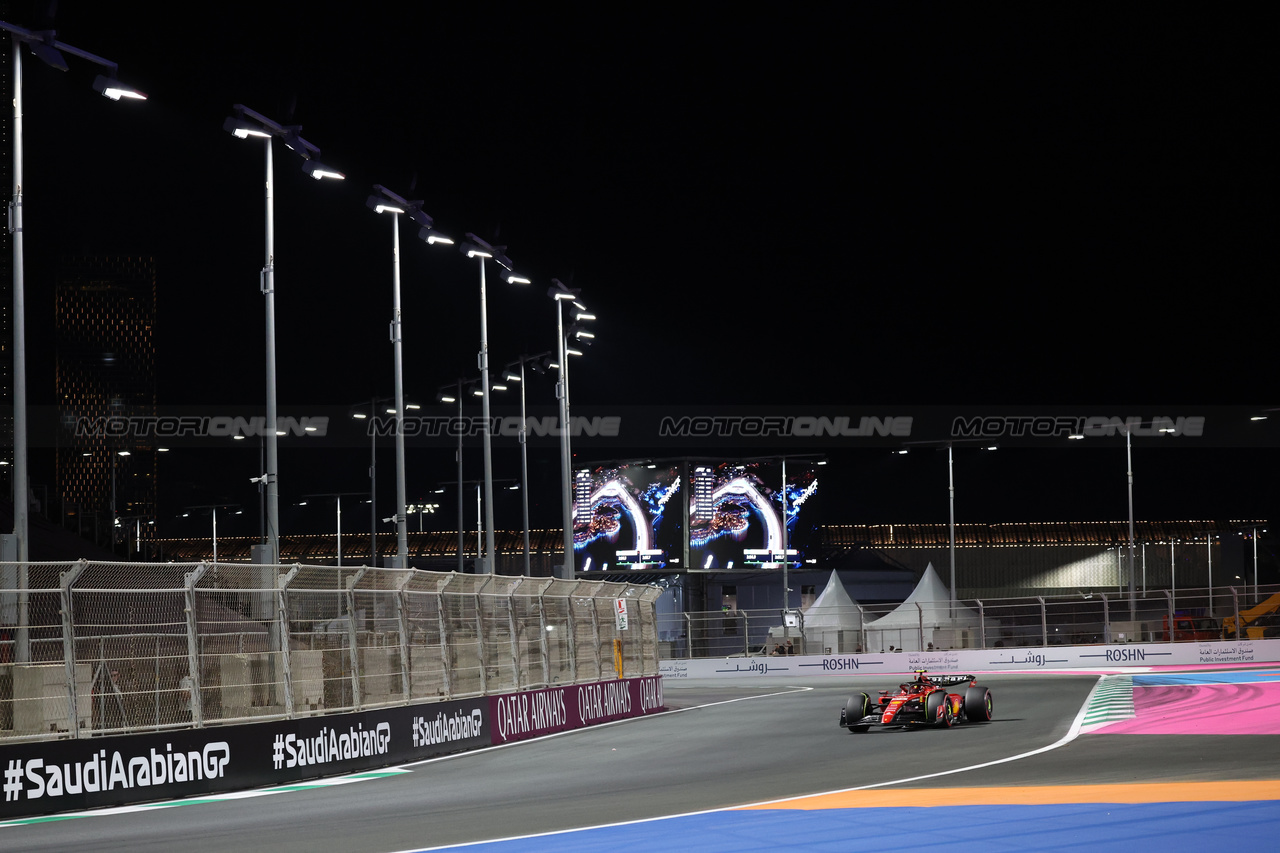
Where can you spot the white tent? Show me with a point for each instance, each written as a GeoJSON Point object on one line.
{"type": "Point", "coordinates": [832, 621]}
{"type": "Point", "coordinates": [833, 608]}
{"type": "Point", "coordinates": [927, 611]}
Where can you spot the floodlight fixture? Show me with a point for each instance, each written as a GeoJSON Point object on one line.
{"type": "Point", "coordinates": [478, 248]}
{"type": "Point", "coordinates": [112, 88]}
{"type": "Point", "coordinates": [560, 291]}
{"type": "Point", "coordinates": [382, 205]}
{"type": "Point", "coordinates": [46, 53]}
{"type": "Point", "coordinates": [242, 129]}
{"type": "Point", "coordinates": [318, 170]}
{"type": "Point", "coordinates": [431, 236]}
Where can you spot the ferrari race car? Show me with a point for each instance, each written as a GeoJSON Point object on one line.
{"type": "Point", "coordinates": [923, 701]}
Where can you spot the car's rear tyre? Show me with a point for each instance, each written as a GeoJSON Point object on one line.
{"type": "Point", "coordinates": [858, 706]}
{"type": "Point", "coordinates": [977, 704]}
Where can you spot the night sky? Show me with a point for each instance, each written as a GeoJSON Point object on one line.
{"type": "Point", "coordinates": [859, 205]}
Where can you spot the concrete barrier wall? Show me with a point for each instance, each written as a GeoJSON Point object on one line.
{"type": "Point", "coordinates": [56, 776]}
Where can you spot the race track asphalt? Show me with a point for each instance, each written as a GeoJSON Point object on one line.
{"type": "Point", "coordinates": [722, 746]}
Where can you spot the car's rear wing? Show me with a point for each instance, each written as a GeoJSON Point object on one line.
{"type": "Point", "coordinates": [947, 680]}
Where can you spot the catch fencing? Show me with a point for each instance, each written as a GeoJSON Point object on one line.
{"type": "Point", "coordinates": [1088, 618]}
{"type": "Point", "coordinates": [91, 649]}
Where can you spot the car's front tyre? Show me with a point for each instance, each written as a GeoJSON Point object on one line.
{"type": "Point", "coordinates": [858, 706]}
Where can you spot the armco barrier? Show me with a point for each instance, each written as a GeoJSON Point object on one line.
{"type": "Point", "coordinates": [1020, 659]}
{"type": "Point", "coordinates": [65, 775]}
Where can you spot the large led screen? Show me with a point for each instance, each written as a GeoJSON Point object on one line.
{"type": "Point", "coordinates": [626, 517]}
{"type": "Point", "coordinates": [736, 509]}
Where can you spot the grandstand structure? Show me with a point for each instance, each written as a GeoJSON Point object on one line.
{"type": "Point", "coordinates": [1022, 558]}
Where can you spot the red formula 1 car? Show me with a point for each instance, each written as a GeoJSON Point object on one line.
{"type": "Point", "coordinates": [923, 701]}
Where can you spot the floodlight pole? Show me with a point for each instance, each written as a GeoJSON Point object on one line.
{"type": "Point", "coordinates": [247, 123]}
{"type": "Point", "coordinates": [524, 479]}
{"type": "Point", "coordinates": [462, 565]}
{"type": "Point", "coordinates": [268, 287]}
{"type": "Point", "coordinates": [20, 506]}
{"type": "Point", "coordinates": [1128, 452]}
{"type": "Point", "coordinates": [951, 497]}
{"type": "Point", "coordinates": [491, 562]}
{"type": "Point", "coordinates": [48, 49]}
{"type": "Point", "coordinates": [566, 453]}
{"type": "Point", "coordinates": [373, 485]}
{"type": "Point", "coordinates": [402, 533]}
{"type": "Point", "coordinates": [524, 470]}
{"type": "Point", "coordinates": [786, 561]}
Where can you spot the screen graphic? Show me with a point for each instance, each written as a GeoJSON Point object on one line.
{"type": "Point", "coordinates": [624, 517]}
{"type": "Point", "coordinates": [736, 514]}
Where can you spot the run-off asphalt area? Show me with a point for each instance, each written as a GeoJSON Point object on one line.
{"type": "Point", "coordinates": [775, 741]}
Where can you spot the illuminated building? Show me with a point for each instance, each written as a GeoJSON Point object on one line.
{"type": "Point", "coordinates": [105, 368]}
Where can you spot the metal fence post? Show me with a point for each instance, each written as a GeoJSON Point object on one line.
{"type": "Point", "coordinates": [1235, 609]}
{"type": "Point", "coordinates": [515, 641]}
{"type": "Point", "coordinates": [920, 620]}
{"type": "Point", "coordinates": [1044, 621]}
{"type": "Point", "coordinates": [444, 644]}
{"type": "Point", "coordinates": [542, 641]}
{"type": "Point", "coordinates": [688, 636]}
{"type": "Point", "coordinates": [652, 611]}
{"type": "Point", "coordinates": [65, 580]}
{"type": "Point", "coordinates": [573, 640]}
{"type": "Point", "coordinates": [353, 644]}
{"type": "Point", "coordinates": [1106, 618]}
{"type": "Point", "coordinates": [484, 675]}
{"type": "Point", "coordinates": [282, 628]}
{"type": "Point", "coordinates": [595, 636]}
{"type": "Point", "coordinates": [193, 644]}
{"type": "Point", "coordinates": [1172, 625]}
{"type": "Point", "coordinates": [402, 619]}
{"type": "Point", "coordinates": [982, 625]}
